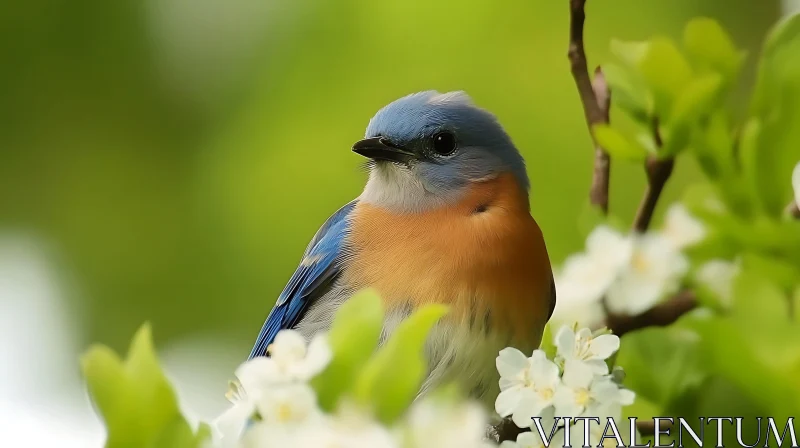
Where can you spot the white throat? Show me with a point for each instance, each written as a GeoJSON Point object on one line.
{"type": "Point", "coordinates": [398, 188]}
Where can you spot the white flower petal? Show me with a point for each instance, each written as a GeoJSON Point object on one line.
{"type": "Point", "coordinates": [527, 407]}
{"type": "Point", "coordinates": [318, 357]}
{"type": "Point", "coordinates": [577, 374]}
{"type": "Point", "coordinates": [507, 401]}
{"type": "Point", "coordinates": [511, 362]}
{"type": "Point", "coordinates": [529, 440]}
{"type": "Point", "coordinates": [256, 374]}
{"type": "Point", "coordinates": [230, 425]}
{"type": "Point", "coordinates": [603, 346]}
{"type": "Point", "coordinates": [289, 345]}
{"type": "Point", "coordinates": [681, 228]}
{"type": "Point", "coordinates": [565, 403]}
{"type": "Point", "coordinates": [718, 276]}
{"type": "Point", "coordinates": [290, 404]}
{"type": "Point", "coordinates": [597, 366]}
{"type": "Point", "coordinates": [542, 370]}
{"type": "Point", "coordinates": [565, 342]}
{"type": "Point", "coordinates": [626, 397]}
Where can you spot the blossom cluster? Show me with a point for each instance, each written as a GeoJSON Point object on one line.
{"type": "Point", "coordinates": [576, 383]}
{"type": "Point", "coordinates": [629, 273]}
{"type": "Point", "coordinates": [274, 405]}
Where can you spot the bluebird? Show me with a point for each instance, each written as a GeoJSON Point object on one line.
{"type": "Point", "coordinates": [444, 218]}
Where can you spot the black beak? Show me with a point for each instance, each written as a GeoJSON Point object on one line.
{"type": "Point", "coordinates": [378, 148]}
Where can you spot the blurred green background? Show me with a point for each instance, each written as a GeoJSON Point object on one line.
{"type": "Point", "coordinates": [175, 156]}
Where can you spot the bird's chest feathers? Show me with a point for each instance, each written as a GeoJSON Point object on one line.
{"type": "Point", "coordinates": [483, 255]}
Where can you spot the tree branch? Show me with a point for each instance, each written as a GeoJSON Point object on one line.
{"type": "Point", "coordinates": [595, 98]}
{"type": "Point", "coordinates": [658, 172]}
{"type": "Point", "coordinates": [660, 315]}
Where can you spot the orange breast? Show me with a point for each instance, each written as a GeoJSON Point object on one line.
{"type": "Point", "coordinates": [484, 256]}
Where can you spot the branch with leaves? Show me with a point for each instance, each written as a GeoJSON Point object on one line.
{"type": "Point", "coordinates": [595, 97]}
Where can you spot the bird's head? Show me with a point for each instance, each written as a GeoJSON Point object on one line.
{"type": "Point", "coordinates": [427, 148]}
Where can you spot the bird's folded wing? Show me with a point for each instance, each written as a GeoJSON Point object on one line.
{"type": "Point", "coordinates": [318, 269]}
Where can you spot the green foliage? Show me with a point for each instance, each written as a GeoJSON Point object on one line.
{"type": "Point", "coordinates": [135, 399]}
{"type": "Point", "coordinates": [384, 381]}
{"type": "Point", "coordinates": [392, 378]}
{"type": "Point", "coordinates": [669, 93]}
{"type": "Point", "coordinates": [140, 409]}
{"type": "Point", "coordinates": [548, 344]}
{"type": "Point", "coordinates": [353, 338]}
{"type": "Point", "coordinates": [742, 354]}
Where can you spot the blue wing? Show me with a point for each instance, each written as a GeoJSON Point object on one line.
{"type": "Point", "coordinates": [318, 268]}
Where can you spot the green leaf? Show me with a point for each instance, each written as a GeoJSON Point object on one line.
{"type": "Point", "coordinates": [666, 72]}
{"type": "Point", "coordinates": [391, 379]}
{"type": "Point", "coordinates": [135, 399]}
{"type": "Point", "coordinates": [756, 298]}
{"type": "Point", "coordinates": [782, 272]}
{"type": "Point", "coordinates": [749, 155]}
{"type": "Point", "coordinates": [784, 33]}
{"type": "Point", "coordinates": [662, 365]}
{"type": "Point", "coordinates": [630, 53]}
{"type": "Point", "coordinates": [713, 147]}
{"type": "Point", "coordinates": [698, 99]}
{"type": "Point", "coordinates": [548, 345]}
{"type": "Point", "coordinates": [760, 357]}
{"type": "Point", "coordinates": [629, 92]}
{"type": "Point", "coordinates": [617, 145]}
{"type": "Point", "coordinates": [353, 338]}
{"type": "Point", "coordinates": [711, 48]}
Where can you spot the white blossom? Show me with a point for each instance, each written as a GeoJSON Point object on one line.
{"type": "Point", "coordinates": [681, 228]}
{"type": "Point", "coordinates": [446, 425]}
{"type": "Point", "coordinates": [576, 304]}
{"type": "Point", "coordinates": [585, 277]}
{"type": "Point", "coordinates": [596, 430]}
{"type": "Point", "coordinates": [527, 385]}
{"type": "Point", "coordinates": [525, 440]}
{"type": "Point", "coordinates": [586, 348]}
{"type": "Point", "coordinates": [293, 404]}
{"type": "Point", "coordinates": [718, 276]}
{"type": "Point", "coordinates": [581, 389]}
{"type": "Point", "coordinates": [274, 385]}
{"type": "Point", "coordinates": [656, 269]}
{"type": "Point", "coordinates": [290, 359]}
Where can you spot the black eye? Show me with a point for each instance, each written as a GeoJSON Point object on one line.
{"type": "Point", "coordinates": [444, 143]}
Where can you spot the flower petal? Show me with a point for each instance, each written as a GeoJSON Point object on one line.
{"type": "Point", "coordinates": [604, 345]}
{"type": "Point", "coordinates": [527, 408]}
{"type": "Point", "coordinates": [565, 342]}
{"type": "Point", "coordinates": [543, 373]}
{"type": "Point", "coordinates": [511, 362]}
{"type": "Point", "coordinates": [577, 374]}
{"type": "Point", "coordinates": [257, 374]}
{"type": "Point", "coordinates": [318, 357]}
{"type": "Point", "coordinates": [289, 346]}
{"type": "Point", "coordinates": [597, 366]}
{"type": "Point", "coordinates": [507, 402]}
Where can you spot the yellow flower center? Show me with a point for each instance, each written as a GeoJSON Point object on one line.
{"type": "Point", "coordinates": [546, 393]}
{"type": "Point", "coordinates": [582, 397]}
{"type": "Point", "coordinates": [285, 413]}
{"type": "Point", "coordinates": [639, 262]}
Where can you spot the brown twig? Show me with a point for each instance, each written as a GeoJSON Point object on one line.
{"type": "Point", "coordinates": [595, 98]}
{"type": "Point", "coordinates": [658, 172]}
{"type": "Point", "coordinates": [660, 315]}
